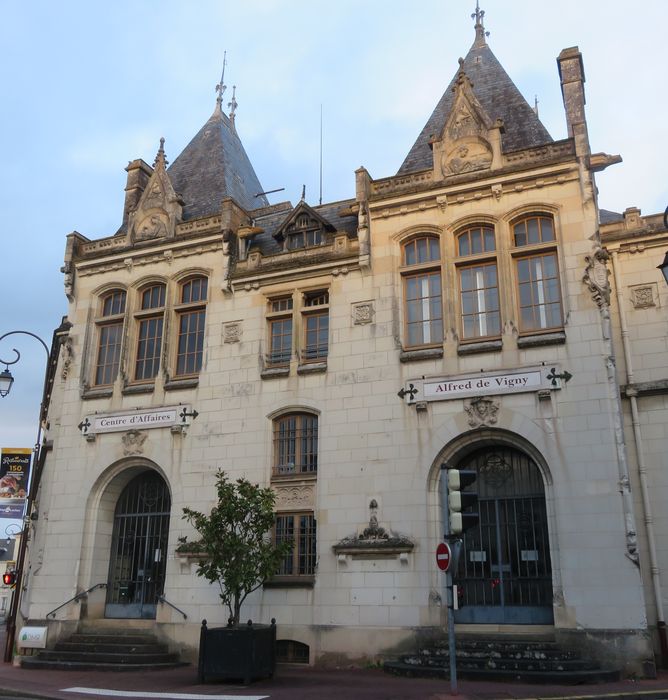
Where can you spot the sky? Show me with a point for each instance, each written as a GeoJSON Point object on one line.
{"type": "Point", "coordinates": [89, 86]}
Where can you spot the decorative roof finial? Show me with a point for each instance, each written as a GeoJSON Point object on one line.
{"type": "Point", "coordinates": [480, 32]}
{"type": "Point", "coordinates": [233, 104]}
{"type": "Point", "coordinates": [303, 193]}
{"type": "Point", "coordinates": [221, 87]}
{"type": "Point", "coordinates": [535, 104]}
{"type": "Point", "coordinates": [160, 159]}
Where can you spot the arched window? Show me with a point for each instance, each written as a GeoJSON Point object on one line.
{"type": "Point", "coordinates": [295, 441]}
{"type": "Point", "coordinates": [150, 321]}
{"type": "Point", "coordinates": [537, 271]}
{"type": "Point", "coordinates": [109, 336]}
{"type": "Point", "coordinates": [423, 307]}
{"type": "Point", "coordinates": [478, 282]}
{"type": "Point", "coordinates": [295, 444]}
{"type": "Point", "coordinates": [191, 314]}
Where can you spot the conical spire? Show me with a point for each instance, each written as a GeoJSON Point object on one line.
{"type": "Point", "coordinates": [214, 165]}
{"type": "Point", "coordinates": [497, 94]}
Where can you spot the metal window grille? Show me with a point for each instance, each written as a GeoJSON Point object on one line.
{"type": "Point", "coordinates": [300, 529]}
{"type": "Point", "coordinates": [296, 444]}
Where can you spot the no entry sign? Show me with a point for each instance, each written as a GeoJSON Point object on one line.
{"type": "Point", "coordinates": [443, 556]}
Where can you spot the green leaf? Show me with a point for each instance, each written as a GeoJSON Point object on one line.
{"type": "Point", "coordinates": [235, 549]}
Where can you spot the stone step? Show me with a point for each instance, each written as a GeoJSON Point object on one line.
{"type": "Point", "coordinates": [524, 676]}
{"type": "Point", "coordinates": [111, 638]}
{"type": "Point", "coordinates": [504, 658]}
{"type": "Point", "coordinates": [502, 663]}
{"type": "Point", "coordinates": [514, 652]}
{"type": "Point", "coordinates": [37, 662]}
{"type": "Point", "coordinates": [108, 650]}
{"type": "Point", "coordinates": [111, 647]}
{"type": "Point", "coordinates": [128, 657]}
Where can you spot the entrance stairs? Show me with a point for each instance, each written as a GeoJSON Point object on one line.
{"type": "Point", "coordinates": [106, 650]}
{"type": "Point", "coordinates": [503, 658]}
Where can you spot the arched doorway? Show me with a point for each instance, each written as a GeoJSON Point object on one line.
{"type": "Point", "coordinates": [504, 573]}
{"type": "Point", "coordinates": [138, 548]}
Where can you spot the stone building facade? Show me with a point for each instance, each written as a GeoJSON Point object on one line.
{"type": "Point", "coordinates": [344, 353]}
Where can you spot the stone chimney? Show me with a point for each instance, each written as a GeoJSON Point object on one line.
{"type": "Point", "coordinates": [139, 173]}
{"type": "Point", "coordinates": [571, 72]}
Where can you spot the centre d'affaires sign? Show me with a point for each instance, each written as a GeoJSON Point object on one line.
{"type": "Point", "coordinates": [140, 419]}
{"type": "Point", "coordinates": [482, 384]}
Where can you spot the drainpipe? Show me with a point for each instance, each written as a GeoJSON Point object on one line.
{"type": "Point", "coordinates": [642, 467]}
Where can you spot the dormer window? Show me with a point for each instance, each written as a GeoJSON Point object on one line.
{"type": "Point", "coordinates": [303, 228]}
{"type": "Point", "coordinates": [304, 232]}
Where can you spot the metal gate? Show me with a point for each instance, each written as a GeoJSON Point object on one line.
{"type": "Point", "coordinates": [504, 574]}
{"type": "Point", "coordinates": [139, 548]}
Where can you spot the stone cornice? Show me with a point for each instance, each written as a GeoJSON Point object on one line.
{"type": "Point", "coordinates": [493, 186]}
{"type": "Point", "coordinates": [516, 162]}
{"type": "Point", "coordinates": [302, 270]}
{"type": "Point", "coordinates": [166, 252]}
{"type": "Point", "coordinates": [114, 244]}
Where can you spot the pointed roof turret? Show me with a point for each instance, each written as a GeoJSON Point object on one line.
{"type": "Point", "coordinates": [496, 93]}
{"type": "Point", "coordinates": [214, 165]}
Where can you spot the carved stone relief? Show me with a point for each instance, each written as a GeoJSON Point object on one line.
{"type": "Point", "coordinates": [68, 356]}
{"type": "Point", "coordinates": [152, 226]}
{"type": "Point", "coordinates": [363, 313]}
{"type": "Point", "coordinates": [467, 155]}
{"type": "Point", "coordinates": [68, 280]}
{"type": "Point", "coordinates": [133, 442]}
{"type": "Point", "coordinates": [300, 496]}
{"type": "Point", "coordinates": [643, 297]}
{"type": "Point", "coordinates": [482, 411]}
{"type": "Point", "coordinates": [596, 276]}
{"type": "Point", "coordinates": [159, 208]}
{"type": "Point", "coordinates": [232, 332]}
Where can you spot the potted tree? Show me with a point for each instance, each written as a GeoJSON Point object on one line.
{"type": "Point", "coordinates": [236, 552]}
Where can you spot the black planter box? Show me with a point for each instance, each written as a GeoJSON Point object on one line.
{"type": "Point", "coordinates": [244, 653]}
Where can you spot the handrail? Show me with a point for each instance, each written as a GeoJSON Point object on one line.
{"type": "Point", "coordinates": [163, 600]}
{"type": "Point", "coordinates": [77, 597]}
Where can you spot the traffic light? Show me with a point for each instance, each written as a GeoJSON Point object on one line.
{"type": "Point", "coordinates": [9, 578]}
{"type": "Point", "coordinates": [462, 505]}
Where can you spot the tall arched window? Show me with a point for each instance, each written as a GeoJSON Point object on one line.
{"type": "Point", "coordinates": [478, 282]}
{"type": "Point", "coordinates": [150, 320]}
{"type": "Point", "coordinates": [537, 270]}
{"type": "Point", "coordinates": [191, 314]}
{"type": "Point", "coordinates": [109, 336]}
{"type": "Point", "coordinates": [295, 444]}
{"type": "Point", "coordinates": [295, 441]}
{"type": "Point", "coordinates": [423, 307]}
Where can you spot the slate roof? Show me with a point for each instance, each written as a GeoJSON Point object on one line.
{"type": "Point", "coordinates": [605, 216]}
{"type": "Point", "coordinates": [500, 98]}
{"type": "Point", "coordinates": [272, 221]}
{"type": "Point", "coordinates": [212, 166]}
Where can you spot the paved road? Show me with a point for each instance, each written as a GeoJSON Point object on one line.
{"type": "Point", "coordinates": [294, 683]}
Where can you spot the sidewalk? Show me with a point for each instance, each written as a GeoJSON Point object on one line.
{"type": "Point", "coordinates": [296, 682]}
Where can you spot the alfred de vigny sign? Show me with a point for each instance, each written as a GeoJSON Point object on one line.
{"type": "Point", "coordinates": [483, 384]}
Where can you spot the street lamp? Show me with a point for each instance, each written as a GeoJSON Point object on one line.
{"type": "Point", "coordinates": [664, 268]}
{"type": "Point", "coordinates": [6, 381]}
